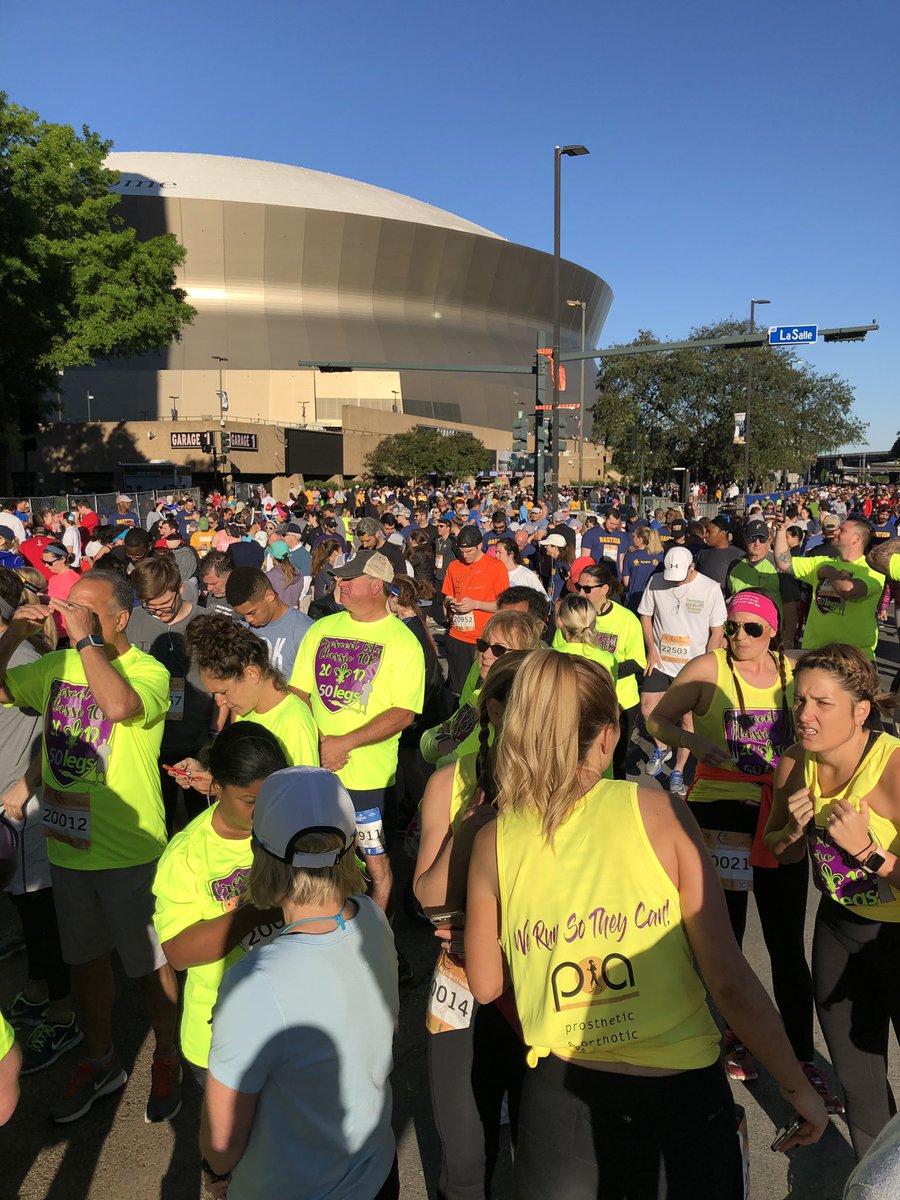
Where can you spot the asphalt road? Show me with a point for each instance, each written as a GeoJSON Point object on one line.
{"type": "Point", "coordinates": [112, 1153]}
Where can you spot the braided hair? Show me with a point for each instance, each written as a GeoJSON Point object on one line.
{"type": "Point", "coordinates": [787, 717]}
{"type": "Point", "coordinates": [497, 686]}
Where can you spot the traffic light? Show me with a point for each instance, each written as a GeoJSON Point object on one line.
{"type": "Point", "coordinates": [226, 442]}
{"type": "Point", "coordinates": [543, 434]}
{"type": "Point", "coordinates": [520, 433]}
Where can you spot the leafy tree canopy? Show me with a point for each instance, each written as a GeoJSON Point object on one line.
{"type": "Point", "coordinates": [422, 451]}
{"type": "Point", "coordinates": [679, 408]}
{"type": "Point", "coordinates": [76, 284]}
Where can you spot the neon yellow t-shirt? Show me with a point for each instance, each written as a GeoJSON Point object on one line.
{"type": "Point", "coordinates": [619, 633]}
{"type": "Point", "coordinates": [757, 577]}
{"type": "Point", "coordinates": [7, 1037]}
{"type": "Point", "coordinates": [291, 723]}
{"type": "Point", "coordinates": [102, 805]}
{"type": "Point", "coordinates": [353, 671]}
{"type": "Point", "coordinates": [199, 877]}
{"type": "Point", "coordinates": [831, 618]}
{"type": "Point", "coordinates": [594, 653]}
{"type": "Point", "coordinates": [894, 568]}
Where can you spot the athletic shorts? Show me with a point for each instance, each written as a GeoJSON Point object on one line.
{"type": "Point", "coordinates": [656, 681]}
{"type": "Point", "coordinates": [369, 805]}
{"type": "Point", "coordinates": [100, 911]}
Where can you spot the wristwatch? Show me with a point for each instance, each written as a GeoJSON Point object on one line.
{"type": "Point", "coordinates": [90, 640]}
{"type": "Point", "coordinates": [873, 863]}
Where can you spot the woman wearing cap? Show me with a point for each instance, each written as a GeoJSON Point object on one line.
{"type": "Point", "coordinates": [740, 699]}
{"type": "Point", "coordinates": [203, 917]}
{"type": "Point", "coordinates": [560, 556]}
{"type": "Point", "coordinates": [836, 796]}
{"type": "Point", "coordinates": [475, 1053]}
{"type": "Point", "coordinates": [9, 549]}
{"type": "Point", "coordinates": [519, 574]}
{"type": "Point", "coordinates": [619, 634]}
{"type": "Point", "coordinates": [298, 1095]}
{"type": "Point", "coordinates": [599, 935]}
{"type": "Point", "coordinates": [288, 584]}
{"type": "Point", "coordinates": [324, 558]}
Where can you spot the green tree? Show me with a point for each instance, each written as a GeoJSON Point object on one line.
{"type": "Point", "coordinates": [678, 409]}
{"type": "Point", "coordinates": [76, 284]}
{"type": "Point", "coordinates": [420, 452]}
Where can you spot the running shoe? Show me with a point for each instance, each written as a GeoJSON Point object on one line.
{"type": "Point", "coordinates": [165, 1091]}
{"type": "Point", "coordinates": [676, 784]}
{"type": "Point", "coordinates": [88, 1084]}
{"type": "Point", "coordinates": [833, 1105]}
{"type": "Point", "coordinates": [48, 1043]}
{"type": "Point", "coordinates": [22, 1011]}
{"type": "Point", "coordinates": [739, 1062]}
{"type": "Point", "coordinates": [654, 764]}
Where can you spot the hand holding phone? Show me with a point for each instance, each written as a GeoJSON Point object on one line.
{"type": "Point", "coordinates": [445, 917]}
{"type": "Point", "coordinates": [786, 1133]}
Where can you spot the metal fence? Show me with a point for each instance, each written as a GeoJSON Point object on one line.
{"type": "Point", "coordinates": [105, 502]}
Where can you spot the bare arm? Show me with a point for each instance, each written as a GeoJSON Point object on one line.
{"type": "Point", "coordinates": [225, 1124]}
{"type": "Point", "coordinates": [715, 639]}
{"type": "Point", "coordinates": [650, 645]}
{"type": "Point", "coordinates": [9, 1082]}
{"type": "Point", "coordinates": [335, 750]}
{"type": "Point", "coordinates": [210, 941]}
{"type": "Point", "coordinates": [783, 559]}
{"type": "Point", "coordinates": [114, 694]}
{"type": "Point", "coordinates": [486, 967]}
{"type": "Point", "coordinates": [688, 695]}
{"type": "Point", "coordinates": [792, 809]}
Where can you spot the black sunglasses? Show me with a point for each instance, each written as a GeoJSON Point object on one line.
{"type": "Point", "coordinates": [756, 539]}
{"type": "Point", "coordinates": [752, 629]}
{"type": "Point", "coordinates": [588, 587]}
{"type": "Point", "coordinates": [495, 648]}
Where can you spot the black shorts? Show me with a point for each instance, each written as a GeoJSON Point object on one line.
{"type": "Point", "coordinates": [656, 681]}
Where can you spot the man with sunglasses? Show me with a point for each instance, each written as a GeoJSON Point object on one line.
{"type": "Point", "coordinates": [157, 626]}
{"type": "Point", "coordinates": [757, 572]}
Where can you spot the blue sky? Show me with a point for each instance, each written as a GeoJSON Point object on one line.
{"type": "Point", "coordinates": [737, 151]}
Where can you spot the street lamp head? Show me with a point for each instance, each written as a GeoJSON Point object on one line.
{"type": "Point", "coordinates": [760, 301]}
{"type": "Point", "coordinates": [577, 303]}
{"type": "Point", "coordinates": [574, 151]}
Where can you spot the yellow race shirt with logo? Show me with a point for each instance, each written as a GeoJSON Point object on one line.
{"type": "Point", "coordinates": [619, 633]}
{"type": "Point", "coordinates": [291, 722]}
{"type": "Point", "coordinates": [831, 618]}
{"type": "Point", "coordinates": [353, 671]}
{"type": "Point", "coordinates": [762, 577]}
{"type": "Point", "coordinates": [593, 934]}
{"type": "Point", "coordinates": [835, 873]}
{"type": "Point", "coordinates": [199, 877]}
{"type": "Point", "coordinates": [102, 804]}
{"type": "Point", "coordinates": [755, 735]}
{"type": "Point", "coordinates": [583, 650]}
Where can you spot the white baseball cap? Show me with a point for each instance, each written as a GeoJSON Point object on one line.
{"type": "Point", "coordinates": [678, 562]}
{"type": "Point", "coordinates": [297, 802]}
{"type": "Point", "coordinates": [556, 539]}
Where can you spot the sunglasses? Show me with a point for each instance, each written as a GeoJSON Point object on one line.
{"type": "Point", "coordinates": [752, 629]}
{"type": "Point", "coordinates": [588, 587]}
{"type": "Point", "coordinates": [495, 648]}
{"type": "Point", "coordinates": [757, 539]}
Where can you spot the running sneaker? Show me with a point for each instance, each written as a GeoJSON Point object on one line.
{"type": "Point", "coordinates": [654, 764]}
{"type": "Point", "coordinates": [165, 1090]}
{"type": "Point", "coordinates": [739, 1062]}
{"type": "Point", "coordinates": [88, 1084]}
{"type": "Point", "coordinates": [48, 1043]}
{"type": "Point", "coordinates": [676, 784]}
{"type": "Point", "coordinates": [833, 1105]}
{"type": "Point", "coordinates": [22, 1011]}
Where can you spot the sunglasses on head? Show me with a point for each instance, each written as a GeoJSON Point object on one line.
{"type": "Point", "coordinates": [495, 648]}
{"type": "Point", "coordinates": [752, 629]}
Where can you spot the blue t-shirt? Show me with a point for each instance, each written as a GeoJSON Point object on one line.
{"type": "Point", "coordinates": [307, 1023]}
{"type": "Point", "coordinates": [639, 566]}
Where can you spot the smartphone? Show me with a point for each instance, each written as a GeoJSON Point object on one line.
{"type": "Point", "coordinates": [786, 1132]}
{"type": "Point", "coordinates": [439, 917]}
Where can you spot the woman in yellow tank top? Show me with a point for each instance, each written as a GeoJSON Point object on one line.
{"type": "Point", "coordinates": [740, 700]}
{"type": "Point", "coordinates": [592, 896]}
{"type": "Point", "coordinates": [475, 1053]}
{"type": "Point", "coordinates": [837, 796]}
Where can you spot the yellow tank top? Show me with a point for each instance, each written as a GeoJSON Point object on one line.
{"type": "Point", "coordinates": [592, 932]}
{"type": "Point", "coordinates": [755, 738]}
{"type": "Point", "coordinates": [835, 873]}
{"type": "Point", "coordinates": [462, 792]}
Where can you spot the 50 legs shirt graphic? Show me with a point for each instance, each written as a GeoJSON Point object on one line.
{"type": "Point", "coordinates": [345, 671]}
{"type": "Point", "coordinates": [77, 743]}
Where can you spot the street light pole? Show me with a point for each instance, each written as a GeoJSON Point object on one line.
{"type": "Point", "coordinates": [753, 304]}
{"type": "Point", "coordinates": [558, 152]}
{"type": "Point", "coordinates": [221, 393]}
{"type": "Point", "coordinates": [582, 304]}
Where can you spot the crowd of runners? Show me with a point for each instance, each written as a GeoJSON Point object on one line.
{"type": "Point", "coordinates": [218, 724]}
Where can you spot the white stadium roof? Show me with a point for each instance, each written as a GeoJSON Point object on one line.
{"type": "Point", "coordinates": [253, 181]}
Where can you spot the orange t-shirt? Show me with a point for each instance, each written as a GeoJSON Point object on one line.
{"type": "Point", "coordinates": [483, 580]}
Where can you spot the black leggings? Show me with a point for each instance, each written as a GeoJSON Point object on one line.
{"type": "Point", "coordinates": [627, 721]}
{"type": "Point", "coordinates": [855, 969]}
{"type": "Point", "coordinates": [585, 1134]}
{"type": "Point", "coordinates": [469, 1070]}
{"type": "Point", "coordinates": [45, 960]}
{"type": "Point", "coordinates": [781, 903]}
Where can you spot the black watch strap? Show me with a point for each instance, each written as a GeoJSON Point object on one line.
{"type": "Point", "coordinates": [90, 640]}
{"type": "Point", "coordinates": [874, 862]}
{"type": "Point", "coordinates": [207, 1170]}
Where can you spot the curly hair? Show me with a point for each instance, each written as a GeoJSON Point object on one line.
{"type": "Point", "coordinates": [411, 592]}
{"type": "Point", "coordinates": [219, 645]}
{"type": "Point", "coordinates": [855, 674]}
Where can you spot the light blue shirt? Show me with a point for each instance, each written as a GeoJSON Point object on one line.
{"type": "Point", "coordinates": [307, 1023]}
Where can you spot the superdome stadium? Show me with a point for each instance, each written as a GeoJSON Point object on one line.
{"type": "Point", "coordinates": [286, 264]}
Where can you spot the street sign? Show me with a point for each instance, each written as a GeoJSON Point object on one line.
{"type": "Point", "coordinates": [792, 335]}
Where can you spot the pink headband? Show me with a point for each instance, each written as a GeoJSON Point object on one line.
{"type": "Point", "coordinates": [756, 603]}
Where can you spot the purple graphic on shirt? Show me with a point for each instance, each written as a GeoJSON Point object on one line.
{"type": "Point", "coordinates": [755, 738]}
{"type": "Point", "coordinates": [229, 890]}
{"type": "Point", "coordinates": [345, 670]}
{"type": "Point", "coordinates": [76, 735]}
{"type": "Point", "coordinates": [837, 875]}
{"type": "Point", "coordinates": [607, 641]}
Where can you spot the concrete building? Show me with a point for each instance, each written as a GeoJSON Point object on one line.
{"type": "Point", "coordinates": [286, 264]}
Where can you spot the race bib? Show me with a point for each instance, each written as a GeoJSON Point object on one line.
{"type": "Point", "coordinates": [66, 817]}
{"type": "Point", "coordinates": [261, 935]}
{"type": "Point", "coordinates": [370, 832]}
{"type": "Point", "coordinates": [730, 853]}
{"type": "Point", "coordinates": [674, 648]}
{"type": "Point", "coordinates": [450, 1004]}
{"type": "Point", "coordinates": [176, 699]}
{"type": "Point", "coordinates": [439, 562]}
{"type": "Point", "coordinates": [610, 551]}
{"type": "Point", "coordinates": [464, 621]}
